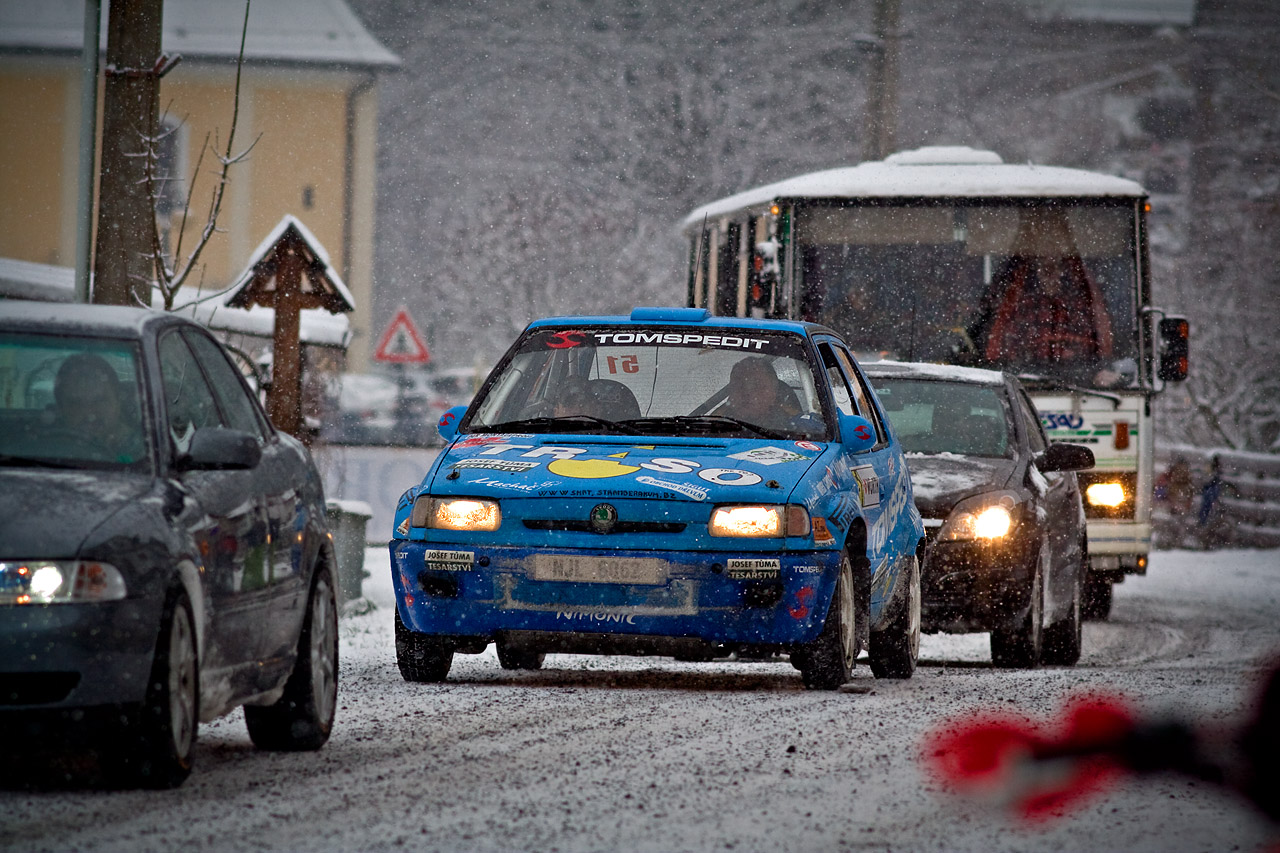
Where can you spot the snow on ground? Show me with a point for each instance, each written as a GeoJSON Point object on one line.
{"type": "Point", "coordinates": [619, 753]}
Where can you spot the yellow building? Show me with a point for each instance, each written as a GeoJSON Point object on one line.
{"type": "Point", "coordinates": [308, 96]}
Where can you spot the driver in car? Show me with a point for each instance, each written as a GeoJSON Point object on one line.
{"type": "Point", "coordinates": [90, 404]}
{"type": "Point", "coordinates": [758, 396]}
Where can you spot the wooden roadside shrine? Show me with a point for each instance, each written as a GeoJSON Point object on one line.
{"type": "Point", "coordinates": [289, 272]}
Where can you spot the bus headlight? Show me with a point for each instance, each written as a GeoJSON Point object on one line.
{"type": "Point", "coordinates": [1108, 494]}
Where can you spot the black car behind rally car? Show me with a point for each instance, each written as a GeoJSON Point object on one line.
{"type": "Point", "coordinates": [163, 550]}
{"type": "Point", "coordinates": [1007, 550]}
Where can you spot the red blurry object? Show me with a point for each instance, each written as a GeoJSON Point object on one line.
{"type": "Point", "coordinates": [1036, 771]}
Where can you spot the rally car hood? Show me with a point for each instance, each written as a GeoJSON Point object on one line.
{"type": "Point", "coordinates": [693, 469]}
{"type": "Point", "coordinates": [942, 480]}
{"type": "Point", "coordinates": [49, 513]}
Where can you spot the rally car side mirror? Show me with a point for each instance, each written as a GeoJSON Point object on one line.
{"type": "Point", "coordinates": [856, 433]}
{"type": "Point", "coordinates": [447, 426]}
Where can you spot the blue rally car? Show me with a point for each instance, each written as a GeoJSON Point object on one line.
{"type": "Point", "coordinates": [664, 483]}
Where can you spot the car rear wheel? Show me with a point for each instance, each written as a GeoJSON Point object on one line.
{"type": "Point", "coordinates": [827, 661]}
{"type": "Point", "coordinates": [1062, 638]}
{"type": "Point", "coordinates": [1020, 647]}
{"type": "Point", "coordinates": [302, 718]}
{"type": "Point", "coordinates": [160, 751]}
{"type": "Point", "coordinates": [895, 648]}
{"type": "Point", "coordinates": [514, 657]}
{"type": "Point", "coordinates": [421, 658]}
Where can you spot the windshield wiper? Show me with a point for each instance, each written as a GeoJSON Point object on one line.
{"type": "Point", "coordinates": [713, 422]}
{"type": "Point", "coordinates": [577, 423]}
{"type": "Point", "coordinates": [1049, 381]}
{"type": "Point", "coordinates": [35, 462]}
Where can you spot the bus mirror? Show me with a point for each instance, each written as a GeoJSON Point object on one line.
{"type": "Point", "coordinates": [1175, 337]}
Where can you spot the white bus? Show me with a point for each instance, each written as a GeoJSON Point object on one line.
{"type": "Point", "coordinates": [948, 254]}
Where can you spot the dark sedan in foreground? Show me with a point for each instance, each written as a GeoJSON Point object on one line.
{"type": "Point", "coordinates": [163, 550]}
{"type": "Point", "coordinates": [1007, 550]}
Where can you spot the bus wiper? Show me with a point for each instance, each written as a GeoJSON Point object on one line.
{"type": "Point", "coordinates": [576, 423]}
{"type": "Point", "coordinates": [1051, 382]}
{"type": "Point", "coordinates": [704, 421]}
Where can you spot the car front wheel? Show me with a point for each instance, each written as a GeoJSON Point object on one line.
{"type": "Point", "coordinates": [160, 751]}
{"type": "Point", "coordinates": [1020, 647]}
{"type": "Point", "coordinates": [896, 647]}
{"type": "Point", "coordinates": [827, 661]}
{"type": "Point", "coordinates": [421, 658]}
{"type": "Point", "coordinates": [1062, 638]}
{"type": "Point", "coordinates": [302, 718]}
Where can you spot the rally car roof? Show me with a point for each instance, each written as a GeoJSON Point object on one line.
{"type": "Point", "coordinates": [686, 317]}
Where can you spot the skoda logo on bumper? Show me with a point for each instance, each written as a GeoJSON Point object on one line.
{"type": "Point", "coordinates": [603, 517]}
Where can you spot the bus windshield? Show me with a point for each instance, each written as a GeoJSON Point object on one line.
{"type": "Point", "coordinates": [1045, 288]}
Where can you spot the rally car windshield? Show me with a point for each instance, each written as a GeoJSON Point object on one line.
{"type": "Point", "coordinates": [655, 381]}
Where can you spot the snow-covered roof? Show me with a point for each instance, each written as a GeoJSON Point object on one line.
{"type": "Point", "coordinates": [928, 370]}
{"type": "Point", "coordinates": [322, 32]}
{"type": "Point", "coordinates": [934, 172]}
{"type": "Point", "coordinates": [287, 222]}
{"type": "Point", "coordinates": [46, 283]}
{"type": "Point", "coordinates": [1155, 12]}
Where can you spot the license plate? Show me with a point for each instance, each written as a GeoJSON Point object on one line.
{"type": "Point", "coordinates": [571, 567]}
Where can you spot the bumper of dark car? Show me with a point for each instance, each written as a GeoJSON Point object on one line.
{"type": "Point", "coordinates": [76, 655]}
{"type": "Point", "coordinates": [972, 586]}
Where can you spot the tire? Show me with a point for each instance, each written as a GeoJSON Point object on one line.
{"type": "Point", "coordinates": [302, 718]}
{"type": "Point", "coordinates": [1021, 647]}
{"type": "Point", "coordinates": [422, 659]}
{"type": "Point", "coordinates": [896, 648]}
{"type": "Point", "coordinates": [1098, 594]}
{"type": "Point", "coordinates": [513, 657]}
{"type": "Point", "coordinates": [158, 753]}
{"type": "Point", "coordinates": [827, 661]}
{"type": "Point", "coordinates": [1062, 638]}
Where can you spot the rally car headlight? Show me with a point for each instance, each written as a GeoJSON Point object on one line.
{"type": "Point", "coordinates": [59, 582]}
{"type": "Point", "coordinates": [472, 514]}
{"type": "Point", "coordinates": [752, 522]}
{"type": "Point", "coordinates": [991, 516]}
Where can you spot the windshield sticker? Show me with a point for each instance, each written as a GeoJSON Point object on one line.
{"type": "Point", "coordinates": [450, 561]}
{"type": "Point", "coordinates": [868, 485]}
{"type": "Point", "coordinates": [768, 455]}
{"type": "Point", "coordinates": [510, 465]}
{"type": "Point", "coordinates": [752, 569]}
{"type": "Point", "coordinates": [496, 438]}
{"type": "Point", "coordinates": [566, 339]}
{"type": "Point", "coordinates": [698, 493]}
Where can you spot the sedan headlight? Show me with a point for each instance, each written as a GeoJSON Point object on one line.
{"type": "Point", "coordinates": [471, 514]}
{"type": "Point", "coordinates": [759, 521]}
{"type": "Point", "coordinates": [990, 516]}
{"type": "Point", "coordinates": [59, 582]}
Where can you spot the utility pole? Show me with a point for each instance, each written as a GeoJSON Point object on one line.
{"type": "Point", "coordinates": [123, 265]}
{"type": "Point", "coordinates": [882, 109]}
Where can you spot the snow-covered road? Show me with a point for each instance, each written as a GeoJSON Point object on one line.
{"type": "Point", "coordinates": [650, 754]}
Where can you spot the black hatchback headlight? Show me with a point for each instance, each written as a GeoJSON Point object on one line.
{"type": "Point", "coordinates": [987, 517]}
{"type": "Point", "coordinates": [59, 582]}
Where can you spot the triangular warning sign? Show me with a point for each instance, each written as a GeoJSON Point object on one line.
{"type": "Point", "coordinates": [402, 342]}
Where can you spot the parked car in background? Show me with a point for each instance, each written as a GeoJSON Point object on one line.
{"type": "Point", "coordinates": [1007, 550]}
{"type": "Point", "coordinates": [667, 482]}
{"type": "Point", "coordinates": [380, 410]}
{"type": "Point", "coordinates": [164, 556]}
